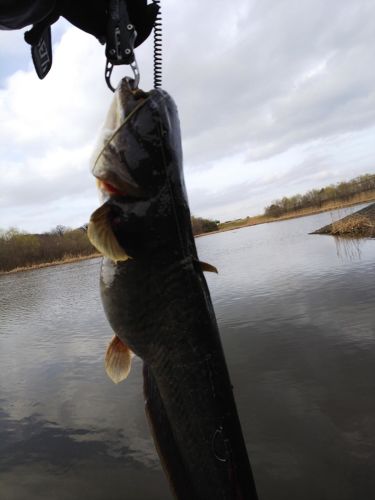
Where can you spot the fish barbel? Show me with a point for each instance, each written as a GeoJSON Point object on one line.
{"type": "Point", "coordinates": [157, 301]}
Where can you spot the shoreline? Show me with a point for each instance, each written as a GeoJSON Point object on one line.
{"type": "Point", "coordinates": [360, 224]}
{"type": "Point", "coordinates": [248, 222]}
{"type": "Point", "coordinates": [262, 219]}
{"type": "Point", "coordinates": [68, 260]}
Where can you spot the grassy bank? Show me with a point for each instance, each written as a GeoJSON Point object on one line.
{"type": "Point", "coordinates": [360, 224]}
{"type": "Point", "coordinates": [325, 207]}
{"type": "Point", "coordinates": [66, 260]}
{"type": "Point", "coordinates": [21, 250]}
{"type": "Point", "coordinates": [359, 198]}
{"type": "Point", "coordinates": [357, 226]}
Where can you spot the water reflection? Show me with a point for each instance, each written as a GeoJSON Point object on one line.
{"type": "Point", "coordinates": [349, 248]}
{"type": "Point", "coordinates": [63, 424]}
{"type": "Point", "coordinates": [298, 328]}
{"type": "Point", "coordinates": [33, 438]}
{"type": "Point", "coordinates": [41, 459]}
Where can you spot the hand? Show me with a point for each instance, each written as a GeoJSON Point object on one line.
{"type": "Point", "coordinates": [16, 14]}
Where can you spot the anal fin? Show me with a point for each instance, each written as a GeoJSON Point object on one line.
{"type": "Point", "coordinates": [118, 360]}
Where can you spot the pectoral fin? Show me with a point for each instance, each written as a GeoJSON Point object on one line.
{"type": "Point", "coordinates": [118, 360]}
{"type": "Point", "coordinates": [101, 234]}
{"type": "Point", "coordinates": [208, 267]}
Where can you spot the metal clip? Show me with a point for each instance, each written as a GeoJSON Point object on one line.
{"type": "Point", "coordinates": [108, 73]}
{"type": "Point", "coordinates": [121, 36]}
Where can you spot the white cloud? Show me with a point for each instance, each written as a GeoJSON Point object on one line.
{"type": "Point", "coordinates": [47, 131]}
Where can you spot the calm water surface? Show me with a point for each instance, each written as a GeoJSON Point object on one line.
{"type": "Point", "coordinates": [296, 314]}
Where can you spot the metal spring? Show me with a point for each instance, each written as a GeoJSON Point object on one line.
{"type": "Point", "coordinates": [158, 49]}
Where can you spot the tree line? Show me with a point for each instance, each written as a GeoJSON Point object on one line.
{"type": "Point", "coordinates": [316, 198]}
{"type": "Point", "coordinates": [201, 225]}
{"type": "Point", "coordinates": [20, 249]}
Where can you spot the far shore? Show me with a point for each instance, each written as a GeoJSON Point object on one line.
{"type": "Point", "coordinates": [66, 260]}
{"type": "Point", "coordinates": [226, 226]}
{"type": "Point", "coordinates": [263, 219]}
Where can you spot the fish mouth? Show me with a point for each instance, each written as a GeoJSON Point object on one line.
{"type": "Point", "coordinates": [113, 186]}
{"type": "Point", "coordinates": [119, 193]}
{"type": "Point", "coordinates": [114, 175]}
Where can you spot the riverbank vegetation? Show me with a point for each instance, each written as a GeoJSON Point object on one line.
{"type": "Point", "coordinates": [361, 224]}
{"type": "Point", "coordinates": [202, 226]}
{"type": "Point", "coordinates": [344, 194]}
{"type": "Point", "coordinates": [357, 226]}
{"type": "Point", "coordinates": [19, 250]}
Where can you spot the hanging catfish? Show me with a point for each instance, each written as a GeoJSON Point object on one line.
{"type": "Point", "coordinates": [157, 301]}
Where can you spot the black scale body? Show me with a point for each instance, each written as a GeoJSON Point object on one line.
{"type": "Point", "coordinates": [158, 304]}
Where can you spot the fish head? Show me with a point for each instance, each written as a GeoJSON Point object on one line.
{"type": "Point", "coordinates": [138, 167]}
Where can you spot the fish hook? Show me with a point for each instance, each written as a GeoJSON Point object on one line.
{"type": "Point", "coordinates": [219, 433]}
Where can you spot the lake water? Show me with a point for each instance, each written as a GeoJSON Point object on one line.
{"type": "Point", "coordinates": [297, 319]}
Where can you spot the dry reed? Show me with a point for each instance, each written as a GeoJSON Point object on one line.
{"type": "Point", "coordinates": [355, 225]}
{"type": "Point", "coordinates": [365, 197]}
{"type": "Point", "coordinates": [65, 260]}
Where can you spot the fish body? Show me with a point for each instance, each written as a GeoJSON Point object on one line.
{"type": "Point", "coordinates": [157, 301]}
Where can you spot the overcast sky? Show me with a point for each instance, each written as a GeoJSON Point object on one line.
{"type": "Point", "coordinates": [275, 98]}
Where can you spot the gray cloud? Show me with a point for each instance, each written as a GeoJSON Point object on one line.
{"type": "Point", "coordinates": [251, 197]}
{"type": "Point", "coordinates": [272, 83]}
{"type": "Point", "coordinates": [261, 92]}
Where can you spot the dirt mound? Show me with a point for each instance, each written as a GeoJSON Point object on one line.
{"type": "Point", "coordinates": [361, 224]}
